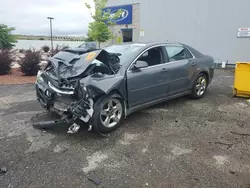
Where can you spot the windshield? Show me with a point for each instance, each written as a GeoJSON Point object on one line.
{"type": "Point", "coordinates": [124, 50]}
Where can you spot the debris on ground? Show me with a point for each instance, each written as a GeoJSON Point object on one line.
{"type": "Point", "coordinates": [225, 144]}
{"type": "Point", "coordinates": [231, 172]}
{"type": "Point", "coordinates": [3, 170]}
{"type": "Point", "coordinates": [59, 149]}
{"type": "Point", "coordinates": [240, 134]}
{"type": "Point", "coordinates": [62, 147]}
{"type": "Point", "coordinates": [241, 124]}
{"type": "Point", "coordinates": [95, 180]}
{"type": "Point", "coordinates": [45, 120]}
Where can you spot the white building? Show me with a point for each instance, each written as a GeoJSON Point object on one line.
{"type": "Point", "coordinates": [211, 26]}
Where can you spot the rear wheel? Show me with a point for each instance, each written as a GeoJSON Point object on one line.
{"type": "Point", "coordinates": [200, 87]}
{"type": "Point", "coordinates": [108, 113]}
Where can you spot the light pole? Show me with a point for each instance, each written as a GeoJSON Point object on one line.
{"type": "Point", "coordinates": [50, 20]}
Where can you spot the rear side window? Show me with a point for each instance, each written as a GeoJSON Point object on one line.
{"type": "Point", "coordinates": [177, 53]}
{"type": "Point", "coordinates": [188, 53]}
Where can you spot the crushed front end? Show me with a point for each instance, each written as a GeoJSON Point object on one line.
{"type": "Point", "coordinates": [60, 87]}
{"type": "Point", "coordinates": [71, 101]}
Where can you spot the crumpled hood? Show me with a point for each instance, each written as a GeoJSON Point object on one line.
{"type": "Point", "coordinates": [70, 63]}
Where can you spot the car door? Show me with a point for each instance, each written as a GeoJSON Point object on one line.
{"type": "Point", "coordinates": [150, 83]}
{"type": "Point", "coordinates": [179, 67]}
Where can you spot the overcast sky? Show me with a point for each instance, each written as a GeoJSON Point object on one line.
{"type": "Point", "coordinates": [30, 16]}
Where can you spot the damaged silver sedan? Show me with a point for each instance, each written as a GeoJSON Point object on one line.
{"type": "Point", "coordinates": [101, 87]}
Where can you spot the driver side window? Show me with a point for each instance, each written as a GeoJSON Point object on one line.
{"type": "Point", "coordinates": [152, 56]}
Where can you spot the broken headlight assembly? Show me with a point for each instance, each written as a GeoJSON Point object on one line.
{"type": "Point", "coordinates": [39, 77]}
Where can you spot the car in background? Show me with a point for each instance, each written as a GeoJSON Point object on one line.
{"type": "Point", "coordinates": [91, 45]}
{"type": "Point", "coordinates": [101, 87]}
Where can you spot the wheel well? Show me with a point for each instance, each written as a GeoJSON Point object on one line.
{"type": "Point", "coordinates": [117, 92]}
{"type": "Point", "coordinates": [113, 92]}
{"type": "Point", "coordinates": [206, 74]}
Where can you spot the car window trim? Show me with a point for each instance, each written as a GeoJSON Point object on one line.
{"type": "Point", "coordinates": [159, 45]}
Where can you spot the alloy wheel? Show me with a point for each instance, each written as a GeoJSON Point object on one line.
{"type": "Point", "coordinates": [111, 113]}
{"type": "Point", "coordinates": [201, 85]}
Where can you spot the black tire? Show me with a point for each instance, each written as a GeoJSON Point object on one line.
{"type": "Point", "coordinates": [97, 120]}
{"type": "Point", "coordinates": [196, 94]}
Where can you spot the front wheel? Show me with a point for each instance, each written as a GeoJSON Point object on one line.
{"type": "Point", "coordinates": [108, 113]}
{"type": "Point", "coordinates": [200, 87]}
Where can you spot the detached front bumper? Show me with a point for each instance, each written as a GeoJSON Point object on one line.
{"type": "Point", "coordinates": [63, 101]}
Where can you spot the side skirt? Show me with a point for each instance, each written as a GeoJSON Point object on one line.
{"type": "Point", "coordinates": [140, 107]}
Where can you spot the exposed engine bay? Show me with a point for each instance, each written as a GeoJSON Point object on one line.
{"type": "Point", "coordinates": [69, 84]}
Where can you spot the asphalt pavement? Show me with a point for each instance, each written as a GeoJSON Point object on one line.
{"type": "Point", "coordinates": [182, 143]}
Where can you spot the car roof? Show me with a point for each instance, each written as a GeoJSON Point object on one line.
{"type": "Point", "coordinates": [146, 45]}
{"type": "Point", "coordinates": [161, 42]}
{"type": "Point", "coordinates": [150, 43]}
{"type": "Point", "coordinates": [79, 50]}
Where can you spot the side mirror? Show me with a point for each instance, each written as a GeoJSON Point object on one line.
{"type": "Point", "coordinates": [140, 64]}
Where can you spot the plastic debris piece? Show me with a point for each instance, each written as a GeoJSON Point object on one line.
{"type": "Point", "coordinates": [3, 170]}
{"type": "Point", "coordinates": [95, 180]}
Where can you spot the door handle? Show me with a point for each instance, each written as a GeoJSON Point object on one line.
{"type": "Point", "coordinates": [164, 69]}
{"type": "Point", "coordinates": [193, 63]}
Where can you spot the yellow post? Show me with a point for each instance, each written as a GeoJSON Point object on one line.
{"type": "Point", "coordinates": [242, 79]}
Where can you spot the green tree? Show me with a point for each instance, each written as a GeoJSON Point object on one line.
{"type": "Point", "coordinates": [88, 38]}
{"type": "Point", "coordinates": [99, 28]}
{"type": "Point", "coordinates": [99, 32]}
{"type": "Point", "coordinates": [6, 39]}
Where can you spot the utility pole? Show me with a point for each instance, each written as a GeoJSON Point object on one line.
{"type": "Point", "coordinates": [51, 39]}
